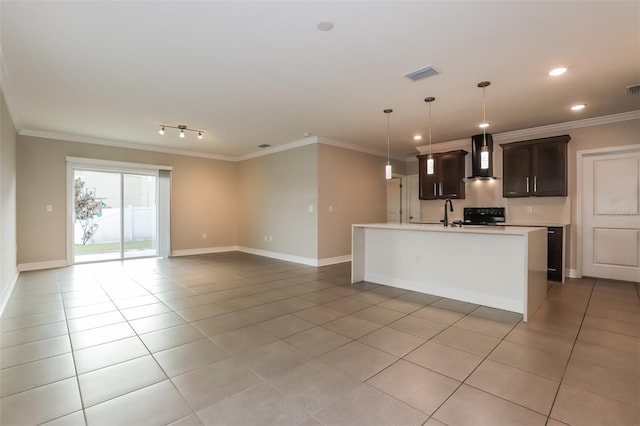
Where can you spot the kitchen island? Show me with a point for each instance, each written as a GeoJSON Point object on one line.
{"type": "Point", "coordinates": [500, 267]}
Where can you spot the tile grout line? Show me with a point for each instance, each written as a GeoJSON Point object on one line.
{"type": "Point", "coordinates": [463, 382]}
{"type": "Point", "coordinates": [566, 365]}
{"type": "Point", "coordinates": [346, 314]}
{"type": "Point", "coordinates": [429, 416]}
{"type": "Point", "coordinates": [111, 299]}
{"type": "Point", "coordinates": [73, 356]}
{"type": "Point", "coordinates": [168, 378]}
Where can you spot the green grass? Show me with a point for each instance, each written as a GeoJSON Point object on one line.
{"type": "Point", "coordinates": [112, 247]}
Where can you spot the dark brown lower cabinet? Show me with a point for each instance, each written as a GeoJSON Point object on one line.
{"type": "Point", "coordinates": [554, 253]}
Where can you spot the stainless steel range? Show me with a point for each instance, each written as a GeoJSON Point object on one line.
{"type": "Point", "coordinates": [483, 216]}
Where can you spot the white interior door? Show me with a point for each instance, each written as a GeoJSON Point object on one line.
{"type": "Point", "coordinates": [610, 213]}
{"type": "Point", "coordinates": [394, 200]}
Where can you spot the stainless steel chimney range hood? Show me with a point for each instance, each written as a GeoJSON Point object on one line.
{"type": "Point", "coordinates": [483, 141]}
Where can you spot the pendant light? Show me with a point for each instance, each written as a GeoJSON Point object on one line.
{"type": "Point", "coordinates": [387, 169]}
{"type": "Point", "coordinates": [430, 161]}
{"type": "Point", "coordinates": [484, 151]}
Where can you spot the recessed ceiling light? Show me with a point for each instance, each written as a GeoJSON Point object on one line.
{"type": "Point", "coordinates": [417, 138]}
{"type": "Point", "coordinates": [325, 26]}
{"type": "Point", "coordinates": [578, 107]}
{"type": "Point", "coordinates": [483, 125]}
{"type": "Point", "coordinates": [557, 71]}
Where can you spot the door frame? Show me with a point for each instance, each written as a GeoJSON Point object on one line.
{"type": "Point", "coordinates": [401, 195]}
{"type": "Point", "coordinates": [75, 163]}
{"type": "Point", "coordinates": [581, 156]}
{"type": "Point", "coordinates": [407, 198]}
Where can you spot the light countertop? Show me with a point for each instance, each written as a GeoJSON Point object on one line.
{"type": "Point", "coordinates": [528, 225]}
{"type": "Point", "coordinates": [490, 229]}
{"type": "Point", "coordinates": [543, 224]}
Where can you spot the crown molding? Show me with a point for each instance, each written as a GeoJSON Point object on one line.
{"type": "Point", "coordinates": [422, 149]}
{"type": "Point", "coordinates": [332, 142]}
{"type": "Point", "coordinates": [566, 126]}
{"type": "Point", "coordinates": [284, 147]}
{"type": "Point", "coordinates": [534, 131]}
{"type": "Point", "coordinates": [121, 144]}
{"type": "Point", "coordinates": [266, 151]}
{"type": "Point", "coordinates": [444, 146]}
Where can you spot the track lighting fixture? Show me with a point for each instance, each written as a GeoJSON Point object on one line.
{"type": "Point", "coordinates": [183, 128]}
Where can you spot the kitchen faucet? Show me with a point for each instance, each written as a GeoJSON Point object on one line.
{"type": "Point", "coordinates": [446, 218]}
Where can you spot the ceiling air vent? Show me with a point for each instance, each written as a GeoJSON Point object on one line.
{"type": "Point", "coordinates": [421, 73]}
{"type": "Point", "coordinates": [264, 145]}
{"type": "Point", "coordinates": [634, 90]}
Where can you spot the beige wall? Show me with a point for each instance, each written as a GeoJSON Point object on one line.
{"type": "Point", "coordinates": [275, 193]}
{"type": "Point", "coordinates": [8, 242]}
{"type": "Point", "coordinates": [203, 196]}
{"type": "Point", "coordinates": [544, 209]}
{"type": "Point", "coordinates": [240, 203]}
{"type": "Point", "coordinates": [234, 203]}
{"type": "Point", "coordinates": [203, 200]}
{"type": "Point", "coordinates": [352, 184]}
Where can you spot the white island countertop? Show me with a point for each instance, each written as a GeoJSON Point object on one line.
{"type": "Point", "coordinates": [432, 227]}
{"type": "Point", "coordinates": [496, 266]}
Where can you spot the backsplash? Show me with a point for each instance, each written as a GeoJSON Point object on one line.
{"type": "Point", "coordinates": [488, 193]}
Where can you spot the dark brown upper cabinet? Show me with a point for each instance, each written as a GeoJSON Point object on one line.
{"type": "Point", "coordinates": [536, 167]}
{"type": "Point", "coordinates": [447, 181]}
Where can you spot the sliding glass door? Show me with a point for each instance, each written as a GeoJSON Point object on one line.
{"type": "Point", "coordinates": [115, 215]}
{"type": "Point", "coordinates": [140, 213]}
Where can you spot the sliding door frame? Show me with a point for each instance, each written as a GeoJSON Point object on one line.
{"type": "Point", "coordinates": [162, 197]}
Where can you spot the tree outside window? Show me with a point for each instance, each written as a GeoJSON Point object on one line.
{"type": "Point", "coordinates": [87, 207]}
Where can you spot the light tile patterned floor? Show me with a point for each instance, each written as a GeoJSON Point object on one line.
{"type": "Point", "coordinates": [239, 339]}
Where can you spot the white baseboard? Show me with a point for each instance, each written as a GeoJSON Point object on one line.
{"type": "Point", "coordinates": [266, 253]}
{"type": "Point", "coordinates": [572, 273]}
{"type": "Point", "coordinates": [333, 260]}
{"type": "Point", "coordinates": [6, 293]}
{"type": "Point", "coordinates": [280, 256]}
{"type": "Point", "coordinates": [34, 266]}
{"type": "Point", "coordinates": [204, 250]}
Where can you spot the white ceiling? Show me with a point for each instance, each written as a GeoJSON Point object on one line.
{"type": "Point", "coordinates": [250, 73]}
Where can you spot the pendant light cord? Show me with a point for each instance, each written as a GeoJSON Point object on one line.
{"type": "Point", "coordinates": [429, 127]}
{"type": "Point", "coordinates": [388, 156]}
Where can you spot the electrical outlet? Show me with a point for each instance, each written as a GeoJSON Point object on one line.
{"type": "Point", "coordinates": [204, 236]}
{"type": "Point", "coordinates": [529, 209]}
{"type": "Point", "coordinates": [330, 209]}
{"type": "Point", "coordinates": [270, 237]}
{"type": "Point", "coordinates": [265, 238]}
{"type": "Point", "coordinates": [310, 208]}
{"type": "Point", "coordinates": [49, 208]}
